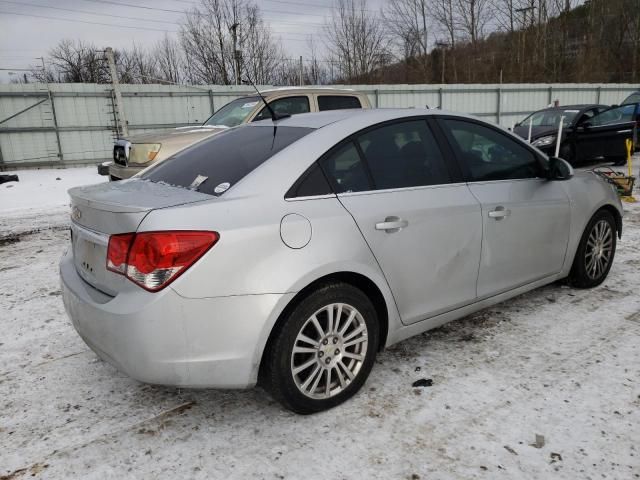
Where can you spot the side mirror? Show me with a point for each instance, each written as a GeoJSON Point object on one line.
{"type": "Point", "coordinates": [559, 169]}
{"type": "Point", "coordinates": [585, 124]}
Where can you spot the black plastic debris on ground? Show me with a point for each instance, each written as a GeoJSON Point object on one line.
{"type": "Point", "coordinates": [423, 382]}
{"type": "Point", "coordinates": [8, 178]}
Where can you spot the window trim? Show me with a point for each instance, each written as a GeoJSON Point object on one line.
{"type": "Point", "coordinates": [542, 162]}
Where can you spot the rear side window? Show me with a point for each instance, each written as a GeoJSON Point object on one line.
{"type": "Point", "coordinates": [337, 102]}
{"type": "Point", "coordinates": [285, 106]}
{"type": "Point", "coordinates": [489, 154]}
{"type": "Point", "coordinates": [311, 183]}
{"type": "Point", "coordinates": [345, 170]}
{"type": "Point", "coordinates": [224, 158]}
{"type": "Point", "coordinates": [403, 155]}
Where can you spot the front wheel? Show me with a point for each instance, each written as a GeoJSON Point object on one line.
{"type": "Point", "coordinates": [595, 252]}
{"type": "Point", "coordinates": [324, 349]}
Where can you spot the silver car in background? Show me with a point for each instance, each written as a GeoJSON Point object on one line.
{"type": "Point", "coordinates": [288, 253]}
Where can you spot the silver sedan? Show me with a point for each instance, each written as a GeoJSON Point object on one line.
{"type": "Point", "coordinates": [289, 253]}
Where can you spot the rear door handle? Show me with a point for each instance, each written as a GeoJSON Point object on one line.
{"type": "Point", "coordinates": [392, 224]}
{"type": "Point", "coordinates": [499, 213]}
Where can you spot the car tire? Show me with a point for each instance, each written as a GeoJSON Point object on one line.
{"type": "Point", "coordinates": [325, 347]}
{"type": "Point", "coordinates": [596, 251]}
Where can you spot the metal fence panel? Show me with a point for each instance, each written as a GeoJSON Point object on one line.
{"type": "Point", "coordinates": [79, 124]}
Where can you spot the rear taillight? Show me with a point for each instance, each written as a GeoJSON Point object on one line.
{"type": "Point", "coordinates": [153, 260]}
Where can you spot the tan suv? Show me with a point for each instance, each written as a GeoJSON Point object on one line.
{"type": "Point", "coordinates": [137, 152]}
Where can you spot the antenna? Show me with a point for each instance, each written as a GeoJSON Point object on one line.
{"type": "Point", "coordinates": [274, 117]}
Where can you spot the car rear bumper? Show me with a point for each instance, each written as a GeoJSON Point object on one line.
{"type": "Point", "coordinates": [121, 172]}
{"type": "Point", "coordinates": [164, 338]}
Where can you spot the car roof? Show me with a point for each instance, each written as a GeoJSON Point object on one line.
{"type": "Point", "coordinates": [573, 107]}
{"type": "Point", "coordinates": [321, 119]}
{"type": "Point", "coordinates": [285, 90]}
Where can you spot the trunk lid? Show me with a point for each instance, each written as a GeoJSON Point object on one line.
{"type": "Point", "coordinates": [98, 211]}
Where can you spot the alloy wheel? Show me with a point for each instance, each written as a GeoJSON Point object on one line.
{"type": "Point", "coordinates": [329, 351]}
{"type": "Point", "coordinates": [599, 249]}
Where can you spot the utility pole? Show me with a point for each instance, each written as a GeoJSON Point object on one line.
{"type": "Point", "coordinates": [442, 46]}
{"type": "Point", "coordinates": [53, 108]}
{"type": "Point", "coordinates": [236, 53]}
{"type": "Point", "coordinates": [301, 72]}
{"type": "Point", "coordinates": [426, 40]}
{"type": "Point", "coordinates": [124, 128]}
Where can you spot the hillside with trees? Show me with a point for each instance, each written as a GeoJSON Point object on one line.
{"type": "Point", "coordinates": [408, 41]}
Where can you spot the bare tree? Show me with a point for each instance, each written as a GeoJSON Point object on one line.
{"type": "Point", "coordinates": [473, 16]}
{"type": "Point", "coordinates": [73, 61]}
{"type": "Point", "coordinates": [207, 38]}
{"type": "Point", "coordinates": [444, 13]}
{"type": "Point", "coordinates": [407, 22]}
{"type": "Point", "coordinates": [170, 60]}
{"type": "Point", "coordinates": [356, 39]}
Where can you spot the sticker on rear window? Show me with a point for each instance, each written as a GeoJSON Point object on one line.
{"type": "Point", "coordinates": [200, 179]}
{"type": "Point", "coordinates": [223, 187]}
{"type": "Point", "coordinates": [249, 105]}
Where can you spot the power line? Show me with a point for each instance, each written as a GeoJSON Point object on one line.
{"type": "Point", "coordinates": [146, 7]}
{"type": "Point", "coordinates": [86, 21]}
{"type": "Point", "coordinates": [85, 11]}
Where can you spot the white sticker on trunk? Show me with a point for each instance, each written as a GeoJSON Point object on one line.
{"type": "Point", "coordinates": [200, 179]}
{"type": "Point", "coordinates": [249, 105]}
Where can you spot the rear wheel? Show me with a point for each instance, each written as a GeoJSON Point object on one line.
{"type": "Point", "coordinates": [324, 350]}
{"type": "Point", "coordinates": [595, 252]}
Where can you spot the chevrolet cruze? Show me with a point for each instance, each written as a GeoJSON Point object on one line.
{"type": "Point", "coordinates": [289, 252]}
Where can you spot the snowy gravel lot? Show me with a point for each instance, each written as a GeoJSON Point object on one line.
{"type": "Point", "coordinates": [557, 362]}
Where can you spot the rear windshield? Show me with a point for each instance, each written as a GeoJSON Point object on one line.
{"type": "Point", "coordinates": [216, 164]}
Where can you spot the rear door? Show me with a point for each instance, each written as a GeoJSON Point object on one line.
{"type": "Point", "coordinates": [421, 223]}
{"type": "Point", "coordinates": [525, 217]}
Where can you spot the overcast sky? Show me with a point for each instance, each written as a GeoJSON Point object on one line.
{"type": "Point", "coordinates": [27, 35]}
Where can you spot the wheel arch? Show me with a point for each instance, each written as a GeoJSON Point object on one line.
{"type": "Point", "coordinates": [616, 215]}
{"type": "Point", "coordinates": [358, 280]}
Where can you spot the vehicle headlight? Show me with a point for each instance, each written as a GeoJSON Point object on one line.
{"type": "Point", "coordinates": [142, 153]}
{"type": "Point", "coordinates": [544, 141]}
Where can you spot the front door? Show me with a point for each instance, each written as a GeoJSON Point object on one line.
{"type": "Point", "coordinates": [424, 231]}
{"type": "Point", "coordinates": [605, 134]}
{"type": "Point", "coordinates": [525, 217]}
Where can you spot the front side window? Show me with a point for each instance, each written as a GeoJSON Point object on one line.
{"type": "Point", "coordinates": [337, 102]}
{"type": "Point", "coordinates": [403, 155]}
{"type": "Point", "coordinates": [217, 163]}
{"type": "Point", "coordinates": [489, 154]}
{"type": "Point", "coordinates": [285, 106]}
{"type": "Point", "coordinates": [233, 113]}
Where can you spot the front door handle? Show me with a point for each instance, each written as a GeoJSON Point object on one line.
{"type": "Point", "coordinates": [392, 224]}
{"type": "Point", "coordinates": [499, 213]}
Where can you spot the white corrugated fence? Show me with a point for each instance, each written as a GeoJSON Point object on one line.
{"type": "Point", "coordinates": [61, 124]}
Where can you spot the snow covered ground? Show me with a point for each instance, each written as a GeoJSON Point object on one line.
{"type": "Point", "coordinates": [557, 362]}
